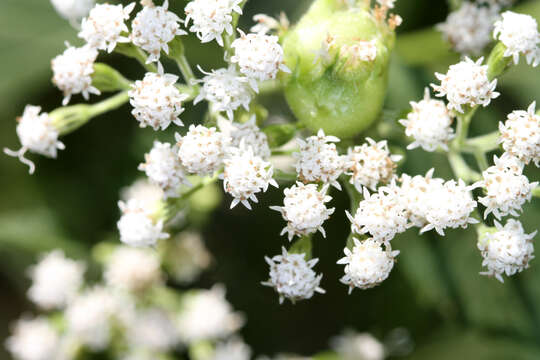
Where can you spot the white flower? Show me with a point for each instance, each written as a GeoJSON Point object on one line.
{"type": "Point", "coordinates": [365, 51]}
{"type": "Point", "coordinates": [38, 134]}
{"type": "Point", "coordinates": [368, 264]}
{"type": "Point", "coordinates": [147, 194]}
{"type": "Point", "coordinates": [73, 10]}
{"type": "Point", "coordinates": [252, 136]}
{"type": "Point", "coordinates": [381, 214]}
{"type": "Point", "coordinates": [429, 124]}
{"type": "Point", "coordinates": [132, 269]}
{"type": "Point", "coordinates": [156, 101]}
{"type": "Point", "coordinates": [206, 315]}
{"type": "Point", "coordinates": [202, 150]}
{"type": "Point", "coordinates": [225, 90]}
{"type": "Point", "coordinates": [104, 26]}
{"type": "Point", "coordinates": [245, 175]}
{"type": "Point", "coordinates": [370, 164]}
{"type": "Point", "coordinates": [72, 72]}
{"type": "Point", "coordinates": [153, 329]}
{"type": "Point", "coordinates": [506, 251]}
{"type": "Point", "coordinates": [469, 28]}
{"type": "Point", "coordinates": [153, 28]}
{"type": "Point", "coordinates": [292, 277]}
{"type": "Point", "coordinates": [507, 188]}
{"type": "Point", "coordinates": [211, 18]}
{"type": "Point", "coordinates": [358, 346]}
{"type": "Point", "coordinates": [137, 226]}
{"type": "Point", "coordinates": [164, 169]}
{"type": "Point", "coordinates": [258, 56]}
{"type": "Point", "coordinates": [55, 280]}
{"type": "Point", "coordinates": [187, 256]}
{"type": "Point", "coordinates": [318, 160]}
{"type": "Point", "coordinates": [304, 209]}
{"type": "Point", "coordinates": [233, 349]}
{"type": "Point", "coordinates": [266, 24]}
{"type": "Point", "coordinates": [519, 34]}
{"type": "Point", "coordinates": [520, 135]}
{"type": "Point", "coordinates": [386, 3]}
{"type": "Point", "coordinates": [466, 83]}
{"type": "Point", "coordinates": [33, 339]}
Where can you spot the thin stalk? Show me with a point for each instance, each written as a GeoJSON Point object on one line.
{"type": "Point", "coordinates": [481, 160]}
{"type": "Point", "coordinates": [229, 38]}
{"type": "Point", "coordinates": [485, 143]}
{"type": "Point", "coordinates": [185, 69]}
{"type": "Point", "coordinates": [109, 104]}
{"type": "Point", "coordinates": [303, 245]}
{"type": "Point", "coordinates": [461, 169]}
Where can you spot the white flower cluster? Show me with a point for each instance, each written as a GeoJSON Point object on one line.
{"type": "Point", "coordinates": [304, 209]}
{"type": "Point", "coordinates": [232, 349]}
{"type": "Point", "coordinates": [429, 124]}
{"type": "Point", "coordinates": [153, 28]}
{"type": "Point", "coordinates": [33, 339]}
{"type": "Point", "coordinates": [318, 160]}
{"type": "Point", "coordinates": [466, 84]}
{"type": "Point", "coordinates": [163, 168]}
{"type": "Point", "coordinates": [520, 135]}
{"type": "Point", "coordinates": [187, 257]}
{"type": "Point", "coordinates": [365, 51]}
{"type": "Point", "coordinates": [519, 34]}
{"type": "Point", "coordinates": [469, 29]}
{"type": "Point", "coordinates": [508, 250]}
{"type": "Point", "coordinates": [72, 72]}
{"type": "Point", "coordinates": [137, 226]}
{"type": "Point", "coordinates": [250, 134]}
{"type": "Point", "coordinates": [386, 3]}
{"type": "Point", "coordinates": [153, 329]}
{"type": "Point", "coordinates": [73, 10]}
{"type": "Point", "coordinates": [358, 346]}
{"type": "Point", "coordinates": [293, 277]}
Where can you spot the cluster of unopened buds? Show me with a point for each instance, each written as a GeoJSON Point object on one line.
{"type": "Point", "coordinates": [235, 145]}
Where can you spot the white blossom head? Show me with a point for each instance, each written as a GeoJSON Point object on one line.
{"type": "Point", "coordinates": [386, 3]}
{"type": "Point", "coordinates": [33, 339]}
{"type": "Point", "coordinates": [466, 84]}
{"type": "Point", "coordinates": [153, 329]}
{"type": "Point", "coordinates": [368, 264]}
{"type": "Point", "coordinates": [358, 346]}
{"type": "Point", "coordinates": [520, 135]}
{"type": "Point", "coordinates": [105, 27]}
{"type": "Point", "coordinates": [153, 28]}
{"type": "Point", "coordinates": [258, 56]}
{"type": "Point", "coordinates": [156, 101]}
{"type": "Point", "coordinates": [292, 276]}
{"type": "Point", "coordinates": [137, 225]}
{"type": "Point", "coordinates": [429, 124]}
{"type": "Point", "coordinates": [147, 194]}
{"type": "Point", "coordinates": [164, 169]}
{"type": "Point", "coordinates": [508, 250]}
{"type": "Point", "coordinates": [319, 160]}
{"type": "Point", "coordinates": [55, 280]}
{"type": "Point", "coordinates": [469, 28]}
{"type": "Point", "coordinates": [202, 149]}
{"type": "Point", "coordinates": [371, 164]}
{"type": "Point", "coordinates": [72, 72]}
{"type": "Point", "coordinates": [133, 269]}
{"type": "Point", "coordinates": [250, 134]}
{"type": "Point", "coordinates": [232, 349]}
{"type": "Point", "coordinates": [507, 189]}
{"type": "Point", "coordinates": [266, 24]}
{"type": "Point", "coordinates": [361, 51]}
{"type": "Point", "coordinates": [304, 210]}
{"type": "Point", "coordinates": [225, 90]}
{"type": "Point", "coordinates": [519, 34]}
{"type": "Point", "coordinates": [37, 133]}
{"type": "Point", "coordinates": [187, 256]}
{"type": "Point", "coordinates": [206, 315]}
{"type": "Point", "coordinates": [73, 10]}
{"type": "Point", "coordinates": [211, 18]}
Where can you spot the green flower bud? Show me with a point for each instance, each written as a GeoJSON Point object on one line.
{"type": "Point", "coordinates": [337, 84]}
{"type": "Point", "coordinates": [107, 79]}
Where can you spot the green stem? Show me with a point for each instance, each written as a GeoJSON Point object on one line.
{"type": "Point", "coordinates": [283, 152]}
{"type": "Point", "coordinates": [185, 69]}
{"type": "Point", "coordinates": [191, 91]}
{"type": "Point", "coordinates": [228, 39]}
{"type": "Point", "coordinates": [281, 175]}
{"type": "Point", "coordinates": [303, 245]}
{"type": "Point", "coordinates": [536, 192]}
{"type": "Point", "coordinates": [269, 87]}
{"type": "Point", "coordinates": [481, 160]}
{"type": "Point", "coordinates": [109, 104]}
{"type": "Point", "coordinates": [461, 169]}
{"type": "Point", "coordinates": [130, 50]}
{"type": "Point", "coordinates": [485, 143]}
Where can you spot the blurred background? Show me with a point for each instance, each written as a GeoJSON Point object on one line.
{"type": "Point", "coordinates": [434, 292]}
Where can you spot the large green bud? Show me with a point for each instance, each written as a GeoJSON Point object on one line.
{"type": "Point", "coordinates": [332, 87]}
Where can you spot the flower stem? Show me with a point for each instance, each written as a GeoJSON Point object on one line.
{"type": "Point", "coordinates": [229, 38]}
{"type": "Point", "coordinates": [461, 169]}
{"type": "Point", "coordinates": [481, 160]}
{"type": "Point", "coordinates": [109, 104]}
{"type": "Point", "coordinates": [185, 69]}
{"type": "Point", "coordinates": [303, 245]}
{"type": "Point", "coordinates": [485, 143]}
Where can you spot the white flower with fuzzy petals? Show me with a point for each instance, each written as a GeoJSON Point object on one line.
{"type": "Point", "coordinates": [147, 194]}
{"type": "Point", "coordinates": [469, 28]}
{"type": "Point", "coordinates": [507, 188]}
{"type": "Point", "coordinates": [429, 124]}
{"type": "Point", "coordinates": [153, 28]}
{"type": "Point", "coordinates": [156, 101]}
{"type": "Point", "coordinates": [250, 134]}
{"type": "Point", "coordinates": [358, 346]}
{"type": "Point", "coordinates": [73, 10]}
{"type": "Point", "coordinates": [55, 280]}
{"type": "Point", "coordinates": [520, 135]}
{"type": "Point", "coordinates": [507, 250]}
{"type": "Point", "coordinates": [360, 51]}
{"type": "Point", "coordinates": [211, 18]}
{"type": "Point", "coordinates": [386, 3]}
{"type": "Point", "coordinates": [233, 349]}
{"type": "Point", "coordinates": [370, 164]}
{"type": "Point", "coordinates": [293, 277]}
{"type": "Point", "coordinates": [304, 209]}
{"type": "Point", "coordinates": [225, 90]}
{"type": "Point", "coordinates": [103, 27]}
{"type": "Point", "coordinates": [38, 134]}
{"type": "Point", "coordinates": [202, 150]}
{"type": "Point", "coordinates": [318, 160]}
{"type": "Point", "coordinates": [519, 34]}
{"type": "Point", "coordinates": [258, 56]}
{"type": "Point", "coordinates": [153, 329]}
{"type": "Point", "coordinates": [368, 264]}
{"type": "Point", "coordinates": [137, 226]}
{"type": "Point", "coordinates": [245, 175]}
{"type": "Point", "coordinates": [33, 339]}
{"type": "Point", "coordinates": [164, 169]}
{"type": "Point", "coordinates": [72, 72]}
{"type": "Point", "coordinates": [466, 84]}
